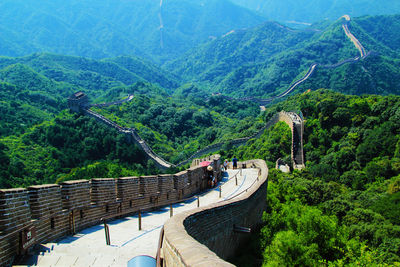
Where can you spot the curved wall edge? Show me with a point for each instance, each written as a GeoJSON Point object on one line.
{"type": "Point", "coordinates": [205, 236]}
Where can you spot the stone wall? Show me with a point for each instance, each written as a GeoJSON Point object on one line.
{"type": "Point", "coordinates": [199, 237]}
{"type": "Point", "coordinates": [54, 211]}
{"type": "Point", "coordinates": [133, 137]}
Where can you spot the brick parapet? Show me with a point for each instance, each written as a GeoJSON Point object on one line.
{"type": "Point", "coordinates": [58, 210]}
{"type": "Point", "coordinates": [148, 186]}
{"type": "Point", "coordinates": [199, 237]}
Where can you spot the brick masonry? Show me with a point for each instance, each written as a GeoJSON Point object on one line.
{"type": "Point", "coordinates": [199, 237]}
{"type": "Point", "coordinates": [59, 210]}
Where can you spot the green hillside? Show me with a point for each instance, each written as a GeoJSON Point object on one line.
{"type": "Point", "coordinates": [188, 65]}
{"type": "Point", "coordinates": [176, 127]}
{"type": "Point", "coordinates": [110, 28]}
{"type": "Point", "coordinates": [67, 147]}
{"type": "Point", "coordinates": [35, 88]}
{"type": "Point", "coordinates": [263, 61]}
{"type": "Point", "coordinates": [343, 208]}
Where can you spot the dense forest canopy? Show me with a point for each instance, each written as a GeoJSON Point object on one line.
{"type": "Point", "coordinates": [343, 208]}
{"type": "Point", "coordinates": [176, 127]}
{"type": "Point", "coordinates": [266, 59]}
{"type": "Point", "coordinates": [60, 145]}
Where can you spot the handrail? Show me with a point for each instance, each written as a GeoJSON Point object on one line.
{"type": "Point", "coordinates": [244, 191]}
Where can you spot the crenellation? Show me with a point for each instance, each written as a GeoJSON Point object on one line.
{"type": "Point", "coordinates": [165, 183]}
{"type": "Point", "coordinates": [15, 210]}
{"type": "Point", "coordinates": [180, 180]}
{"type": "Point", "coordinates": [197, 174]}
{"type": "Point", "coordinates": [44, 200]}
{"type": "Point", "coordinates": [75, 194]}
{"type": "Point", "coordinates": [148, 186]}
{"type": "Point", "coordinates": [127, 188]}
{"type": "Point", "coordinates": [103, 190]}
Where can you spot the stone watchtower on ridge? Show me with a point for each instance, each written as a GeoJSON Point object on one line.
{"type": "Point", "coordinates": [78, 101]}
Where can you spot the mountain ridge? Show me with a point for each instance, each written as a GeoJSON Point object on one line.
{"type": "Point", "coordinates": [114, 28]}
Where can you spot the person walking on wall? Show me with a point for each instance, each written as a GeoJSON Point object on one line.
{"type": "Point", "coordinates": [226, 165]}
{"type": "Point", "coordinates": [234, 162]}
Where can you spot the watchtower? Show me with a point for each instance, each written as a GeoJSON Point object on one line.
{"type": "Point", "coordinates": [78, 101]}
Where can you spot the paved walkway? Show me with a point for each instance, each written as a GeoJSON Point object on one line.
{"type": "Point", "coordinates": [88, 248]}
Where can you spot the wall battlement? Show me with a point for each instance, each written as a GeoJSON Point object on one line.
{"type": "Point", "coordinates": [50, 212]}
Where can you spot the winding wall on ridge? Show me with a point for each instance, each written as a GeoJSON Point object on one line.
{"type": "Point", "coordinates": [294, 121]}
{"type": "Point", "coordinates": [313, 67]}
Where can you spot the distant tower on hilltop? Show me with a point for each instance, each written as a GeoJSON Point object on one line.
{"type": "Point", "coordinates": [78, 101]}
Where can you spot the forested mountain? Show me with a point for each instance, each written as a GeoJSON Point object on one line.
{"type": "Point", "coordinates": [309, 11]}
{"type": "Point", "coordinates": [98, 29]}
{"type": "Point", "coordinates": [378, 73]}
{"type": "Point", "coordinates": [343, 208]}
{"type": "Point", "coordinates": [72, 146]}
{"type": "Point", "coordinates": [265, 60]}
{"type": "Point", "coordinates": [176, 127]}
{"type": "Point", "coordinates": [67, 147]}
{"type": "Point", "coordinates": [35, 88]}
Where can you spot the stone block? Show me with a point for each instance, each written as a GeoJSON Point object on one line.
{"type": "Point", "coordinates": [165, 183]}
{"type": "Point", "coordinates": [180, 180]}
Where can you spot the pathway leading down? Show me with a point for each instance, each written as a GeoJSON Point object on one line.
{"type": "Point", "coordinates": [88, 247]}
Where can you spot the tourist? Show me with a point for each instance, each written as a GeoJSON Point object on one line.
{"type": "Point", "coordinates": [234, 162]}
{"type": "Point", "coordinates": [210, 176]}
{"type": "Point", "coordinates": [226, 165]}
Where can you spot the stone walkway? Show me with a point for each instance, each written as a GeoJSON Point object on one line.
{"type": "Point", "coordinates": [88, 248]}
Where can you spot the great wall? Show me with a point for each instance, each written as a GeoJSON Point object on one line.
{"type": "Point", "coordinates": [293, 120]}
{"type": "Point", "coordinates": [79, 103]}
{"type": "Point", "coordinates": [40, 214]}
{"type": "Point", "coordinates": [313, 67]}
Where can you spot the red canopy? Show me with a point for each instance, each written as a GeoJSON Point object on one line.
{"type": "Point", "coordinates": [205, 163]}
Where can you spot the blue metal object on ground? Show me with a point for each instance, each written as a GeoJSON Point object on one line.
{"type": "Point", "coordinates": [142, 261]}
